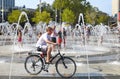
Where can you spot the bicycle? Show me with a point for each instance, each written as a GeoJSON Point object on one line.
{"type": "Point", "coordinates": [65, 66]}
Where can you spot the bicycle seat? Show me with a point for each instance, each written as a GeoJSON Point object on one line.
{"type": "Point", "coordinates": [39, 52]}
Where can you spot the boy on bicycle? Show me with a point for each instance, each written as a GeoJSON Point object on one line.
{"type": "Point", "coordinates": [44, 43]}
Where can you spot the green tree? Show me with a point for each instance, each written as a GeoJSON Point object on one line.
{"type": "Point", "coordinates": [76, 6]}
{"type": "Point", "coordinates": [49, 9]}
{"type": "Point", "coordinates": [68, 16]}
{"type": "Point", "coordinates": [13, 17]}
{"type": "Point", "coordinates": [59, 4]}
{"type": "Point", "coordinates": [91, 15]}
{"type": "Point", "coordinates": [44, 17]}
{"type": "Point", "coordinates": [102, 18]}
{"type": "Point", "coordinates": [30, 15]}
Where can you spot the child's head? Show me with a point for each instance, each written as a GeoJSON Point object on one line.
{"type": "Point", "coordinates": [53, 27]}
{"type": "Point", "coordinates": [19, 32]}
{"type": "Point", "coordinates": [49, 30]}
{"type": "Point", "coordinates": [40, 34]}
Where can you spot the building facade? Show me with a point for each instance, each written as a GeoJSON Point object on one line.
{"type": "Point", "coordinates": [5, 6]}
{"type": "Point", "coordinates": [116, 9]}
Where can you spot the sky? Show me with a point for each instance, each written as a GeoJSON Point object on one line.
{"type": "Point", "coordinates": [103, 5]}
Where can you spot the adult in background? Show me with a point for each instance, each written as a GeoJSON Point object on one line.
{"type": "Point", "coordinates": [64, 36]}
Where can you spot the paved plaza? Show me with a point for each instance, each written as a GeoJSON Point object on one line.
{"type": "Point", "coordinates": [93, 61]}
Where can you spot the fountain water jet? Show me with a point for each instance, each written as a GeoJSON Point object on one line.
{"type": "Point", "coordinates": [27, 25]}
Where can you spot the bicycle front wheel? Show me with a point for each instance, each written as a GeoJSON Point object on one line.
{"type": "Point", "coordinates": [66, 67]}
{"type": "Point", "coordinates": [33, 64]}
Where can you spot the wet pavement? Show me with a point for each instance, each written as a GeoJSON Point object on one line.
{"type": "Point", "coordinates": [101, 62]}
{"type": "Point", "coordinates": [99, 67]}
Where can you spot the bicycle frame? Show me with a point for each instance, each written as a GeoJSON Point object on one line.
{"type": "Point", "coordinates": [44, 61]}
{"type": "Point", "coordinates": [54, 56]}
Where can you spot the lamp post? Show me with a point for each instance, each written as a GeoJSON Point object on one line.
{"type": "Point", "coordinates": [40, 6]}
{"type": "Point", "coordinates": [2, 11]}
{"type": "Point", "coordinates": [56, 15]}
{"type": "Point", "coordinates": [61, 12]}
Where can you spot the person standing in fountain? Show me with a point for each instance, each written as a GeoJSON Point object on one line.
{"type": "Point", "coordinates": [76, 33]}
{"type": "Point", "coordinates": [64, 36]}
{"type": "Point", "coordinates": [19, 40]}
{"type": "Point", "coordinates": [88, 33]}
{"type": "Point", "coordinates": [102, 32]}
{"type": "Point", "coordinates": [59, 38]}
{"type": "Point", "coordinates": [39, 35]}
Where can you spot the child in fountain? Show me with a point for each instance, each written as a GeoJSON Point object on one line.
{"type": "Point", "coordinates": [59, 38]}
{"type": "Point", "coordinates": [20, 37]}
{"type": "Point", "coordinates": [19, 40]}
{"type": "Point", "coordinates": [39, 35]}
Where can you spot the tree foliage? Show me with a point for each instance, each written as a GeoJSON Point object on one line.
{"type": "Point", "coordinates": [13, 17]}
{"type": "Point", "coordinates": [92, 14]}
{"type": "Point", "coordinates": [59, 4]}
{"type": "Point", "coordinates": [70, 10]}
{"type": "Point", "coordinates": [76, 6]}
{"type": "Point", "coordinates": [102, 18]}
{"type": "Point", "coordinates": [68, 16]}
{"type": "Point", "coordinates": [44, 17]}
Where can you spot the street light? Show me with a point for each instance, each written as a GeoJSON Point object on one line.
{"type": "Point", "coordinates": [56, 15]}
{"type": "Point", "coordinates": [60, 12]}
{"type": "Point", "coordinates": [2, 11]}
{"type": "Point", "coordinates": [40, 6]}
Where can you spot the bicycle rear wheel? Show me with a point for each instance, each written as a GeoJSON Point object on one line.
{"type": "Point", "coordinates": [66, 67]}
{"type": "Point", "coordinates": [33, 64]}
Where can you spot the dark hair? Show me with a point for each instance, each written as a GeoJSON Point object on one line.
{"type": "Point", "coordinates": [48, 29]}
{"type": "Point", "coordinates": [19, 31]}
{"type": "Point", "coordinates": [40, 33]}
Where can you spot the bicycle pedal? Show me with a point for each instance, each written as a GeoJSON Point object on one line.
{"type": "Point", "coordinates": [46, 70]}
{"type": "Point", "coordinates": [49, 62]}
